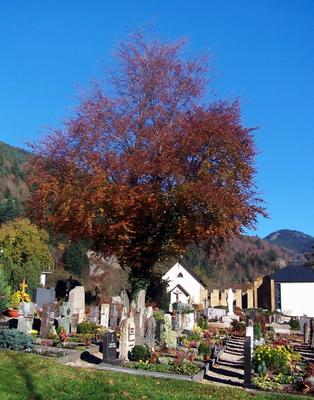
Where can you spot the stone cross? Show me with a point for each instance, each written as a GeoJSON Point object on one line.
{"type": "Point", "coordinates": [23, 285]}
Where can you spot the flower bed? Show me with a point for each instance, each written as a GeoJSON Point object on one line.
{"type": "Point", "coordinates": [279, 368]}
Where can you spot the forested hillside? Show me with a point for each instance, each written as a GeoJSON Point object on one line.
{"type": "Point", "coordinates": [12, 181]}
{"type": "Point", "coordinates": [242, 260]}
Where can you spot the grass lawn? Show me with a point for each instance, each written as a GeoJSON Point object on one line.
{"type": "Point", "coordinates": [31, 377]}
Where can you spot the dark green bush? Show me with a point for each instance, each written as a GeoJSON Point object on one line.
{"type": "Point", "coordinates": [294, 324]}
{"type": "Point", "coordinates": [204, 349]}
{"type": "Point", "coordinates": [202, 322]}
{"type": "Point", "coordinates": [15, 340]}
{"type": "Point", "coordinates": [140, 353]}
{"type": "Point", "coordinates": [86, 327]}
{"type": "Point", "coordinates": [257, 331]}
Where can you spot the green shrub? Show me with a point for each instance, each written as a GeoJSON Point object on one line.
{"type": "Point", "coordinates": [264, 382]}
{"type": "Point", "coordinates": [140, 353]}
{"type": "Point", "coordinates": [257, 331]}
{"type": "Point", "coordinates": [294, 324]}
{"type": "Point", "coordinates": [159, 315]}
{"type": "Point", "coordinates": [202, 323]}
{"type": "Point", "coordinates": [15, 340]}
{"type": "Point", "coordinates": [185, 367]}
{"type": "Point", "coordinates": [204, 349]}
{"type": "Point", "coordinates": [152, 367]}
{"type": "Point", "coordinates": [86, 327]}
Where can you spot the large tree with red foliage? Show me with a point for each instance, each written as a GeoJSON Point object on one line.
{"type": "Point", "coordinates": [145, 168]}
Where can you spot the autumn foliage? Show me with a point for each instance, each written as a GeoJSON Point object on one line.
{"type": "Point", "coordinates": [144, 168]}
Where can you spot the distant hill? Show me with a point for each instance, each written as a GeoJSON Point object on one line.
{"type": "Point", "coordinates": [292, 240]}
{"type": "Point", "coordinates": [12, 171]}
{"type": "Point", "coordinates": [240, 262]}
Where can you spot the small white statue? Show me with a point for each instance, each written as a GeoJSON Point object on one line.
{"type": "Point", "coordinates": [230, 302]}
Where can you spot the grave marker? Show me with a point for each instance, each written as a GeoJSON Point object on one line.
{"type": "Point", "coordinates": [109, 347]}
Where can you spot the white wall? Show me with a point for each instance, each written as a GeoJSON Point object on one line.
{"type": "Point", "coordinates": [297, 299]}
{"type": "Point", "coordinates": [187, 282]}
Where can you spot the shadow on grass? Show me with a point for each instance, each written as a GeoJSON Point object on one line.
{"type": "Point", "coordinates": [27, 377]}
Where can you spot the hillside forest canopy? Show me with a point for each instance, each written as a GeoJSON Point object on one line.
{"type": "Point", "coordinates": [146, 166]}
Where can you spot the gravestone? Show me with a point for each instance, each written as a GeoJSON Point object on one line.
{"type": "Point", "coordinates": [215, 313]}
{"type": "Point", "coordinates": [74, 321]}
{"type": "Point", "coordinates": [159, 328]}
{"type": "Point", "coordinates": [139, 328]}
{"type": "Point", "coordinates": [65, 309]}
{"type": "Point", "coordinates": [306, 334]}
{"type": "Point", "coordinates": [104, 315]}
{"type": "Point", "coordinates": [65, 323]}
{"type": "Point", "coordinates": [25, 321]}
{"type": "Point", "coordinates": [127, 337]}
{"type": "Point", "coordinates": [109, 347]}
{"type": "Point", "coordinates": [113, 316]}
{"type": "Point", "coordinates": [94, 314]}
{"type": "Point", "coordinates": [150, 333]}
{"type": "Point", "coordinates": [303, 320]}
{"type": "Point", "coordinates": [139, 311]}
{"type": "Point", "coordinates": [47, 320]}
{"type": "Point", "coordinates": [187, 321]}
{"type": "Point", "coordinates": [44, 296]}
{"type": "Point", "coordinates": [125, 300]}
{"type": "Point", "coordinates": [124, 313]}
{"type": "Point", "coordinates": [25, 324]}
{"type": "Point", "coordinates": [27, 309]}
{"type": "Point", "coordinates": [178, 322]}
{"type": "Point", "coordinates": [77, 302]}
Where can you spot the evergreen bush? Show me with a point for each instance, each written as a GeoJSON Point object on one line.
{"type": "Point", "coordinates": [15, 340]}
{"type": "Point", "coordinates": [140, 352]}
{"type": "Point", "coordinates": [86, 327]}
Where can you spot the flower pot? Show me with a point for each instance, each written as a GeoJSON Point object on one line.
{"type": "Point", "coordinates": [12, 312]}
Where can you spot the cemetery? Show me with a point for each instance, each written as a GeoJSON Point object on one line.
{"type": "Point", "coordinates": [250, 348]}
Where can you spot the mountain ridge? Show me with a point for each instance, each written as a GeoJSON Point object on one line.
{"type": "Point", "coordinates": [294, 240]}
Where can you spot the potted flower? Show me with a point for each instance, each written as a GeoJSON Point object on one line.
{"type": "Point", "coordinates": [17, 297]}
{"type": "Point", "coordinates": [13, 311]}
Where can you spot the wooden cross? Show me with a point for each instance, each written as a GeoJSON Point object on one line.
{"type": "Point", "coordinates": [23, 285]}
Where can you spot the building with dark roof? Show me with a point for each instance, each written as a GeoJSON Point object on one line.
{"type": "Point", "coordinates": [290, 290]}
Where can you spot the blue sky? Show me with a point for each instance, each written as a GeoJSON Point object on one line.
{"type": "Point", "coordinates": [262, 52]}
